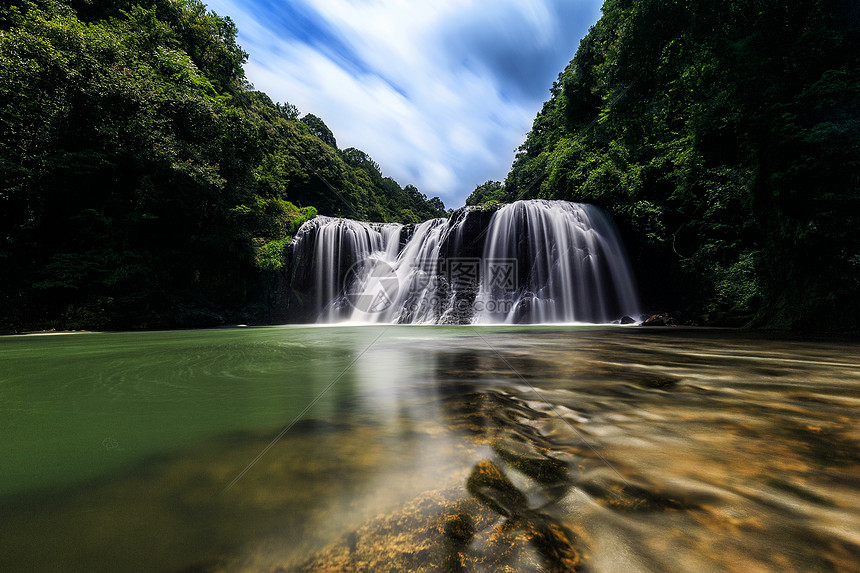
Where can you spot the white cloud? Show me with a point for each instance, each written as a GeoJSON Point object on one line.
{"type": "Point", "coordinates": [427, 110]}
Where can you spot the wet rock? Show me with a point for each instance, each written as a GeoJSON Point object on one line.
{"type": "Point", "coordinates": [524, 456]}
{"type": "Point", "coordinates": [662, 319]}
{"type": "Point", "coordinates": [523, 308]}
{"type": "Point", "coordinates": [659, 382]}
{"type": "Point", "coordinates": [635, 499]}
{"type": "Point", "coordinates": [655, 320]}
{"type": "Point", "coordinates": [829, 446]}
{"type": "Point", "coordinates": [432, 532]}
{"type": "Point", "coordinates": [556, 544]}
{"type": "Point", "coordinates": [439, 531]}
{"type": "Point", "coordinates": [459, 527]}
{"type": "Point", "coordinates": [627, 320]}
{"type": "Point", "coordinates": [492, 488]}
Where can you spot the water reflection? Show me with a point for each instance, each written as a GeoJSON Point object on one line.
{"type": "Point", "coordinates": [658, 452]}
{"type": "Point", "coordinates": [480, 450]}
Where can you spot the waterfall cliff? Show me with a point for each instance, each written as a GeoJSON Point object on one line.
{"type": "Point", "coordinates": [528, 262]}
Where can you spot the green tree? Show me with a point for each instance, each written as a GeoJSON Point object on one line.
{"type": "Point", "coordinates": [488, 191]}
{"type": "Point", "coordinates": [320, 129]}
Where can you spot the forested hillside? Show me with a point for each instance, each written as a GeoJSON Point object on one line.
{"type": "Point", "coordinates": [144, 182]}
{"type": "Point", "coordinates": [725, 139]}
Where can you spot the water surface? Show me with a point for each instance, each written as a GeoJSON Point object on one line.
{"type": "Point", "coordinates": [308, 448]}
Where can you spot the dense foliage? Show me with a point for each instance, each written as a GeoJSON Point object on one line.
{"type": "Point", "coordinates": [723, 136]}
{"type": "Point", "coordinates": [488, 192]}
{"type": "Point", "coordinates": [144, 182]}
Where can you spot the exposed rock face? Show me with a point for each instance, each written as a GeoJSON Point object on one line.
{"type": "Point", "coordinates": [466, 234]}
{"type": "Point", "coordinates": [464, 240]}
{"type": "Point", "coordinates": [662, 319]}
{"type": "Point", "coordinates": [299, 304]}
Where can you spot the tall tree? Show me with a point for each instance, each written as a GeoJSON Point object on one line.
{"type": "Point", "coordinates": [320, 129]}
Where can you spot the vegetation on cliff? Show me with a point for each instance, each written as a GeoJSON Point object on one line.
{"type": "Point", "coordinates": [723, 138]}
{"type": "Point", "coordinates": [145, 183]}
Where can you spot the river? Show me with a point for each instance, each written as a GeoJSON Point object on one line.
{"type": "Point", "coordinates": [414, 447]}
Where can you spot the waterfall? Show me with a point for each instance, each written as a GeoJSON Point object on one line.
{"type": "Point", "coordinates": [402, 284]}
{"type": "Point", "coordinates": [569, 262]}
{"type": "Point", "coordinates": [335, 250]}
{"type": "Point", "coordinates": [529, 262]}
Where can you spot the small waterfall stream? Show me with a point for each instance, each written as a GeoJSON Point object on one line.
{"type": "Point", "coordinates": [529, 262]}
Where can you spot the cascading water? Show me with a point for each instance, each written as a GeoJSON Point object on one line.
{"type": "Point", "coordinates": [569, 263]}
{"type": "Point", "coordinates": [332, 247]}
{"type": "Point", "coordinates": [529, 262]}
{"type": "Point", "coordinates": [399, 288]}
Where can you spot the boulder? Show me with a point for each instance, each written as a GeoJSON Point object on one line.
{"type": "Point", "coordinates": [661, 319]}
{"type": "Point", "coordinates": [656, 320]}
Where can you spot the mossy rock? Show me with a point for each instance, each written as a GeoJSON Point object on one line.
{"type": "Point", "coordinates": [492, 488]}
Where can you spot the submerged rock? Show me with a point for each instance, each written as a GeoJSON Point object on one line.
{"type": "Point", "coordinates": [556, 544]}
{"type": "Point", "coordinates": [658, 382]}
{"type": "Point", "coordinates": [434, 528]}
{"type": "Point", "coordinates": [524, 455]}
{"type": "Point", "coordinates": [492, 488]}
{"type": "Point", "coordinates": [459, 527]}
{"type": "Point", "coordinates": [630, 498]}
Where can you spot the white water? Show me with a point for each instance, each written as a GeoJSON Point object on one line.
{"type": "Point", "coordinates": [410, 271]}
{"type": "Point", "coordinates": [337, 245]}
{"type": "Point", "coordinates": [562, 262]}
{"type": "Point", "coordinates": [572, 266]}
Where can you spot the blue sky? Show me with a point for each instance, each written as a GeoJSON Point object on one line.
{"type": "Point", "coordinates": [440, 93]}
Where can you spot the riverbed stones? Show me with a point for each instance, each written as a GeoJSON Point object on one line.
{"type": "Point", "coordinates": [433, 529]}
{"type": "Point", "coordinates": [459, 527]}
{"type": "Point", "coordinates": [525, 456]}
{"type": "Point", "coordinates": [492, 488]}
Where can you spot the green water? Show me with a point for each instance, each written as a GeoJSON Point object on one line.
{"type": "Point", "coordinates": [81, 406]}
{"type": "Point", "coordinates": [255, 449]}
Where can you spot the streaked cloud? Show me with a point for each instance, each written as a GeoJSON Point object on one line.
{"type": "Point", "coordinates": [439, 93]}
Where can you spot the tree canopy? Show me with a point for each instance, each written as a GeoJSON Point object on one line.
{"type": "Point", "coordinates": [145, 182]}
{"type": "Point", "coordinates": [488, 191]}
{"type": "Point", "coordinates": [723, 137]}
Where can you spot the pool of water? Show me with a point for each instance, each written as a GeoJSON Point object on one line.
{"type": "Point", "coordinates": [392, 448]}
